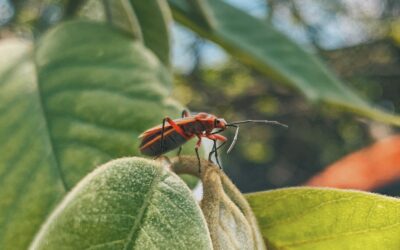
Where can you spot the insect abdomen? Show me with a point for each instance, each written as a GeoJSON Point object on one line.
{"type": "Point", "coordinates": [151, 145]}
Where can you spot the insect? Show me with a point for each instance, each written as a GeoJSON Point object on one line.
{"type": "Point", "coordinates": [172, 134]}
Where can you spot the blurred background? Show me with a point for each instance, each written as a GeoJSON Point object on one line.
{"type": "Point", "coordinates": [358, 39]}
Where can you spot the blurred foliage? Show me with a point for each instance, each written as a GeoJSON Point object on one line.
{"type": "Point", "coordinates": [368, 59]}
{"type": "Point", "coordinates": [359, 40]}
{"type": "Point", "coordinates": [290, 154]}
{"type": "Point", "coordinates": [86, 85]}
{"type": "Point", "coordinates": [370, 168]}
{"type": "Point", "coordinates": [317, 135]}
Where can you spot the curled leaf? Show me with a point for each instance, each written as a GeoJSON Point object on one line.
{"type": "Point", "coordinates": [230, 220]}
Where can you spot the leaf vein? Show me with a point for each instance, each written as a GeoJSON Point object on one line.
{"type": "Point", "coordinates": [143, 209]}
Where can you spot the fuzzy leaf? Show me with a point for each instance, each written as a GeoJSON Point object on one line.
{"type": "Point", "coordinates": [231, 222]}
{"type": "Point", "coordinates": [306, 218]}
{"type": "Point", "coordinates": [229, 218]}
{"type": "Point", "coordinates": [129, 203]}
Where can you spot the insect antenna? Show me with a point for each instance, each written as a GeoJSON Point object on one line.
{"type": "Point", "coordinates": [234, 138]}
{"type": "Point", "coordinates": [235, 124]}
{"type": "Point", "coordinates": [258, 121]}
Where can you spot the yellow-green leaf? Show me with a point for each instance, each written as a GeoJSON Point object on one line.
{"type": "Point", "coordinates": [308, 218]}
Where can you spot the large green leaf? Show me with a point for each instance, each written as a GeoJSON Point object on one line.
{"type": "Point", "coordinates": [29, 179]}
{"type": "Point", "coordinates": [120, 14]}
{"type": "Point", "coordinates": [154, 17]}
{"type": "Point", "coordinates": [147, 21]}
{"type": "Point", "coordinates": [99, 91]}
{"type": "Point", "coordinates": [128, 203]}
{"type": "Point", "coordinates": [307, 218]}
{"type": "Point", "coordinates": [257, 43]}
{"type": "Point", "coordinates": [82, 101]}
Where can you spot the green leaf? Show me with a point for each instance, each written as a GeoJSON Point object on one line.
{"type": "Point", "coordinates": [147, 21]}
{"type": "Point", "coordinates": [80, 99]}
{"type": "Point", "coordinates": [29, 179]}
{"type": "Point", "coordinates": [199, 12]}
{"type": "Point", "coordinates": [98, 96]}
{"type": "Point", "coordinates": [190, 181]}
{"type": "Point", "coordinates": [120, 14]}
{"type": "Point", "coordinates": [257, 43]}
{"type": "Point", "coordinates": [154, 17]}
{"type": "Point", "coordinates": [308, 218]}
{"type": "Point", "coordinates": [129, 203]}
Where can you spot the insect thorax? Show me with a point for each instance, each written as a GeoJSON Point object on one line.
{"type": "Point", "coordinates": [197, 127]}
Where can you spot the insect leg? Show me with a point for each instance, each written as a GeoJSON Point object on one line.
{"type": "Point", "coordinates": [216, 158]}
{"type": "Point", "coordinates": [216, 154]}
{"type": "Point", "coordinates": [179, 151]}
{"type": "Point", "coordinates": [212, 150]}
{"type": "Point", "coordinates": [162, 135]}
{"type": "Point", "coordinates": [185, 113]}
{"type": "Point", "coordinates": [198, 158]}
{"type": "Point", "coordinates": [216, 137]}
{"type": "Point", "coordinates": [196, 148]}
{"type": "Point", "coordinates": [218, 131]}
{"type": "Point", "coordinates": [215, 151]}
{"type": "Point", "coordinates": [222, 144]}
{"type": "Point", "coordinates": [176, 127]}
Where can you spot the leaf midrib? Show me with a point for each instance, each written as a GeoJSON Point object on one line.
{"type": "Point", "coordinates": [45, 114]}
{"type": "Point", "coordinates": [143, 209]}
